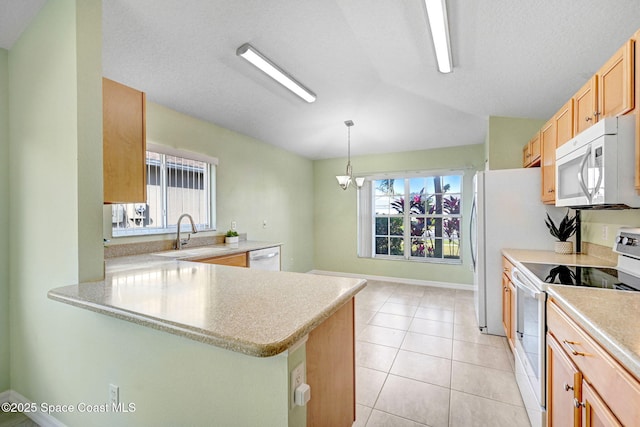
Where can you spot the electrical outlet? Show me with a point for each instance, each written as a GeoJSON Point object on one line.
{"type": "Point", "coordinates": [233, 225]}
{"type": "Point", "coordinates": [264, 223]}
{"type": "Point", "coordinates": [297, 378]}
{"type": "Point", "coordinates": [114, 394]}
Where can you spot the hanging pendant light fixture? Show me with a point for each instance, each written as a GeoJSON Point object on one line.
{"type": "Point", "coordinates": [344, 181]}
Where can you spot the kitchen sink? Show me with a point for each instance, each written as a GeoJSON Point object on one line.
{"type": "Point", "coordinates": [189, 253]}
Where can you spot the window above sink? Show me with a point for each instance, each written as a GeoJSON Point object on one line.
{"type": "Point", "coordinates": [177, 181]}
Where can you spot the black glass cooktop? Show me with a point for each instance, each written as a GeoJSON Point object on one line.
{"type": "Point", "coordinates": [593, 277]}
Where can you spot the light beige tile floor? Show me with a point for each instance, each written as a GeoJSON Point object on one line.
{"type": "Point", "coordinates": [421, 361]}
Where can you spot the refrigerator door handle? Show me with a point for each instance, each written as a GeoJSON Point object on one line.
{"type": "Point", "coordinates": [472, 243]}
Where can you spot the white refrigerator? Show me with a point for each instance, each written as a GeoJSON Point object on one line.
{"type": "Point", "coordinates": [506, 213]}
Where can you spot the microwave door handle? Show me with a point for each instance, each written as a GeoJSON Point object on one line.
{"type": "Point", "coordinates": [581, 180]}
{"type": "Point", "coordinates": [598, 183]}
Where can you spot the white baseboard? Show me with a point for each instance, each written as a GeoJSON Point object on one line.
{"type": "Point", "coordinates": [41, 418]}
{"type": "Point", "coordinates": [447, 285]}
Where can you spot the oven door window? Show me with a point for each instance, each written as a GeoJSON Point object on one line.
{"type": "Point", "coordinates": [529, 331]}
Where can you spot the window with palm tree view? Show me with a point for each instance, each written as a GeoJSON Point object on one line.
{"type": "Point", "coordinates": [417, 218]}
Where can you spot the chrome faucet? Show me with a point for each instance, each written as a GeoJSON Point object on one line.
{"type": "Point", "coordinates": [181, 242]}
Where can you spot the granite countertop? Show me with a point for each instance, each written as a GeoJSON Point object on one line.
{"type": "Point", "coordinates": [259, 313]}
{"type": "Point", "coordinates": [611, 317]}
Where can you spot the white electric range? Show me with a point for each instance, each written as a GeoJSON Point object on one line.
{"type": "Point", "coordinates": [531, 283]}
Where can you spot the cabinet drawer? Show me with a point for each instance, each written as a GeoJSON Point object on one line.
{"type": "Point", "coordinates": [613, 383]}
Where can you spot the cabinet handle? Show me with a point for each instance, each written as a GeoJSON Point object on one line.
{"type": "Point", "coordinates": [587, 119]}
{"type": "Point", "coordinates": [551, 190]}
{"type": "Point", "coordinates": [567, 387]}
{"type": "Point", "coordinates": [596, 113]}
{"type": "Point", "coordinates": [577, 403]}
{"type": "Point", "coordinates": [573, 351]}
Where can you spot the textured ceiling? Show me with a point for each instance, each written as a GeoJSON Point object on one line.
{"type": "Point", "coordinates": [369, 61]}
{"type": "Point", "coordinates": [15, 16]}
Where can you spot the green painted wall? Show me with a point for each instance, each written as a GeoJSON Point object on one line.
{"type": "Point", "coordinates": [4, 220]}
{"type": "Point", "coordinates": [505, 138]}
{"type": "Point", "coordinates": [255, 182]}
{"type": "Point", "coordinates": [593, 223]}
{"type": "Point", "coordinates": [64, 355]}
{"type": "Point", "coordinates": [335, 222]}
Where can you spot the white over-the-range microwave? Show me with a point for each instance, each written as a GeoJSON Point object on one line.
{"type": "Point", "coordinates": [596, 169]}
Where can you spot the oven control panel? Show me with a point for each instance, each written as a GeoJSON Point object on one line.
{"type": "Point", "coordinates": [627, 242]}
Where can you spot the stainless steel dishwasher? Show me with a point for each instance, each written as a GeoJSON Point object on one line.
{"type": "Point", "coordinates": [265, 259]}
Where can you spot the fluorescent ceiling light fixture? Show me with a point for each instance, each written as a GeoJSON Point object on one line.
{"type": "Point", "coordinates": [249, 53]}
{"type": "Point", "coordinates": [438, 23]}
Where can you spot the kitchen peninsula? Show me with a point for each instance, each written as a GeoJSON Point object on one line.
{"type": "Point", "coordinates": [265, 324]}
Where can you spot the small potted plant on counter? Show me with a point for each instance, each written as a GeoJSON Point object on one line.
{"type": "Point", "coordinates": [232, 236]}
{"type": "Point", "coordinates": [562, 232]}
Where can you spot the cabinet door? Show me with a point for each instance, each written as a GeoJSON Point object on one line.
{"type": "Point", "coordinates": [564, 123]}
{"type": "Point", "coordinates": [595, 411]}
{"type": "Point", "coordinates": [123, 143]}
{"type": "Point", "coordinates": [534, 148]}
{"type": "Point", "coordinates": [585, 105]}
{"type": "Point", "coordinates": [506, 307]}
{"type": "Point", "coordinates": [563, 385]}
{"type": "Point", "coordinates": [615, 80]}
{"type": "Point", "coordinates": [235, 260]}
{"type": "Point", "coordinates": [548, 163]}
{"type": "Point", "coordinates": [636, 38]}
{"type": "Point", "coordinates": [526, 156]}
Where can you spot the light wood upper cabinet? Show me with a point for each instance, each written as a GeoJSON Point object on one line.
{"type": "Point", "coordinates": [615, 82]}
{"type": "Point", "coordinates": [564, 123]}
{"type": "Point", "coordinates": [531, 152]}
{"type": "Point", "coordinates": [585, 104]}
{"type": "Point", "coordinates": [123, 143]}
{"type": "Point", "coordinates": [548, 162]}
{"type": "Point", "coordinates": [636, 39]}
{"type": "Point", "coordinates": [610, 92]}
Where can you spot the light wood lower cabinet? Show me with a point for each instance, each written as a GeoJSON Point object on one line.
{"type": "Point", "coordinates": [331, 370]}
{"type": "Point", "coordinates": [562, 388]}
{"type": "Point", "coordinates": [508, 302]}
{"type": "Point", "coordinates": [596, 413]}
{"type": "Point", "coordinates": [235, 260]}
{"type": "Point", "coordinates": [605, 393]}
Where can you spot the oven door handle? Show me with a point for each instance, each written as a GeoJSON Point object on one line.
{"type": "Point", "coordinates": [522, 283]}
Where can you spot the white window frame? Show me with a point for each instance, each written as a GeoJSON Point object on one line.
{"type": "Point", "coordinates": [366, 217]}
{"type": "Point", "coordinates": [171, 228]}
